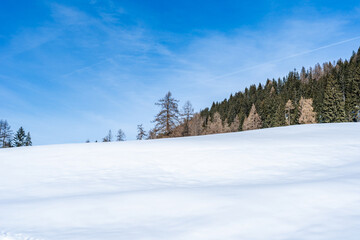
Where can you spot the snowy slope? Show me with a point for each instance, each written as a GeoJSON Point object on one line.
{"type": "Point", "coordinates": [298, 182]}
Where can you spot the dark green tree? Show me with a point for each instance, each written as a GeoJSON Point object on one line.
{"type": "Point", "coordinates": [333, 109]}
{"type": "Point", "coordinates": [20, 138]}
{"type": "Point", "coordinates": [28, 141]}
{"type": "Point", "coordinates": [280, 116]}
{"type": "Point", "coordinates": [352, 101]}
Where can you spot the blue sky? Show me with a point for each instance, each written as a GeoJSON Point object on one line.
{"type": "Point", "coordinates": [72, 70]}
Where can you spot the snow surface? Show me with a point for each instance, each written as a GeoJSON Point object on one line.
{"type": "Point", "coordinates": [298, 182]}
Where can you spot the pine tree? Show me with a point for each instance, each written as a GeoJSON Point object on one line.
{"type": "Point", "coordinates": [9, 143]}
{"type": "Point", "coordinates": [303, 75]}
{"type": "Point", "coordinates": [168, 117]}
{"type": "Point", "coordinates": [307, 114]}
{"type": "Point", "coordinates": [20, 137]}
{"type": "Point", "coordinates": [253, 121]}
{"type": "Point", "coordinates": [352, 101]}
{"type": "Point", "coordinates": [120, 136]}
{"type": "Point", "coordinates": [280, 116]}
{"type": "Point", "coordinates": [334, 105]}
{"type": "Point", "coordinates": [268, 107]}
{"type": "Point", "coordinates": [28, 141]}
{"type": "Point", "coordinates": [141, 132]}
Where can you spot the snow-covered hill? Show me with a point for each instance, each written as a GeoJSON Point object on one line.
{"type": "Point", "coordinates": [298, 182]}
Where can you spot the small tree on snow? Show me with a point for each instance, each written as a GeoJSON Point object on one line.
{"type": "Point", "coordinates": [108, 137]}
{"type": "Point", "coordinates": [120, 136]}
{"type": "Point", "coordinates": [187, 113]}
{"type": "Point", "coordinates": [5, 134]}
{"type": "Point", "coordinates": [168, 116]}
{"type": "Point", "coordinates": [28, 141]}
{"type": "Point", "coordinates": [20, 137]}
{"type": "Point", "coordinates": [141, 132]}
{"type": "Point", "coordinates": [151, 134]}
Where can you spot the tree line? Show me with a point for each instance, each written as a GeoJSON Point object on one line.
{"type": "Point", "coordinates": [323, 94]}
{"type": "Point", "coordinates": [9, 139]}
{"type": "Point", "coordinates": [326, 93]}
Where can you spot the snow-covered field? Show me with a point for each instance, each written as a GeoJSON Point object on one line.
{"type": "Point", "coordinates": [298, 182]}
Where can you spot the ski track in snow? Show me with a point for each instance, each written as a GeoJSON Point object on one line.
{"type": "Point", "coordinates": [297, 182]}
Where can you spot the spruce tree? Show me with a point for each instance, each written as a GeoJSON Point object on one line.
{"type": "Point", "coordinates": [352, 101]}
{"type": "Point", "coordinates": [28, 141]}
{"type": "Point", "coordinates": [333, 106]}
{"type": "Point", "coordinates": [20, 138]}
{"type": "Point", "coordinates": [280, 116]}
{"type": "Point", "coordinates": [269, 106]}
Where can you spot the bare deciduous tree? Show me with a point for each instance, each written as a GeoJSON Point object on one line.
{"type": "Point", "coordinates": [195, 125]}
{"type": "Point", "coordinates": [168, 117]}
{"type": "Point", "coordinates": [120, 136]}
{"type": "Point", "coordinates": [253, 121]}
{"type": "Point", "coordinates": [307, 114]}
{"type": "Point", "coordinates": [141, 132]}
{"type": "Point", "coordinates": [108, 137]}
{"type": "Point", "coordinates": [152, 134]}
{"type": "Point", "coordinates": [214, 125]}
{"type": "Point", "coordinates": [187, 113]}
{"type": "Point", "coordinates": [5, 134]}
{"type": "Point", "coordinates": [234, 126]}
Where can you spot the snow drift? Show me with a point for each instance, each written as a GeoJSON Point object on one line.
{"type": "Point", "coordinates": [298, 182]}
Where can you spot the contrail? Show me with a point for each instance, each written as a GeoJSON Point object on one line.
{"type": "Point", "coordinates": [287, 57]}
{"type": "Point", "coordinates": [84, 68]}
